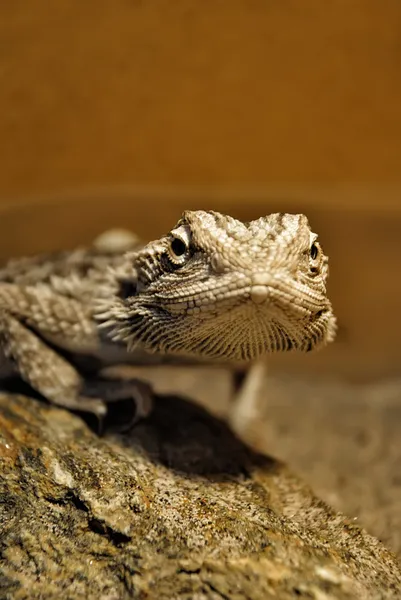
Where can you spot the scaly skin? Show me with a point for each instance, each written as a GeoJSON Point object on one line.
{"type": "Point", "coordinates": [221, 289]}
{"type": "Point", "coordinates": [212, 289]}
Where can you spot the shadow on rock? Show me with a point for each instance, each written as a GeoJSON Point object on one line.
{"type": "Point", "coordinates": [185, 437]}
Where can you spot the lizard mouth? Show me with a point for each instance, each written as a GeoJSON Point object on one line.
{"type": "Point", "coordinates": [262, 294]}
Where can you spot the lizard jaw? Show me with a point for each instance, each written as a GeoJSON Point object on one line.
{"type": "Point", "coordinates": [243, 332]}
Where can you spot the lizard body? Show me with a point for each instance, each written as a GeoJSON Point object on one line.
{"type": "Point", "coordinates": [213, 289]}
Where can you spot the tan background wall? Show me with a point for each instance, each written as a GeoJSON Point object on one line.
{"type": "Point", "coordinates": [245, 106]}
{"type": "Point", "coordinates": [198, 91]}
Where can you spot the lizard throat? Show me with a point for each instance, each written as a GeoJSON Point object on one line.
{"type": "Point", "coordinates": [244, 334]}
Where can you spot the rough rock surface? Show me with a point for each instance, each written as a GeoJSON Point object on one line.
{"type": "Point", "coordinates": [179, 508]}
{"type": "Point", "coordinates": [343, 438]}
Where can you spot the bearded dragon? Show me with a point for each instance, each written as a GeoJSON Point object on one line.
{"type": "Point", "coordinates": [213, 289]}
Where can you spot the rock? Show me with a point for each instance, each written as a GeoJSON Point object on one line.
{"type": "Point", "coordinates": [343, 437]}
{"type": "Point", "coordinates": [178, 508]}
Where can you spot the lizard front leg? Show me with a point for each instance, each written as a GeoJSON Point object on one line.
{"type": "Point", "coordinates": [34, 323]}
{"type": "Point", "coordinates": [43, 369]}
{"type": "Point", "coordinates": [245, 408]}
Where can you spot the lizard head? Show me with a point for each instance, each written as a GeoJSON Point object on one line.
{"type": "Point", "coordinates": [216, 287]}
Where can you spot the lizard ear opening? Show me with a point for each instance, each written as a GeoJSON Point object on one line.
{"type": "Point", "coordinates": [127, 288]}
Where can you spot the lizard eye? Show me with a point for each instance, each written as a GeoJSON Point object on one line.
{"type": "Point", "coordinates": [314, 255]}
{"type": "Point", "coordinates": [314, 251]}
{"type": "Point", "coordinates": [179, 245]}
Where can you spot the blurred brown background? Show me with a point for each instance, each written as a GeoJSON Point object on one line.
{"type": "Point", "coordinates": [128, 111]}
